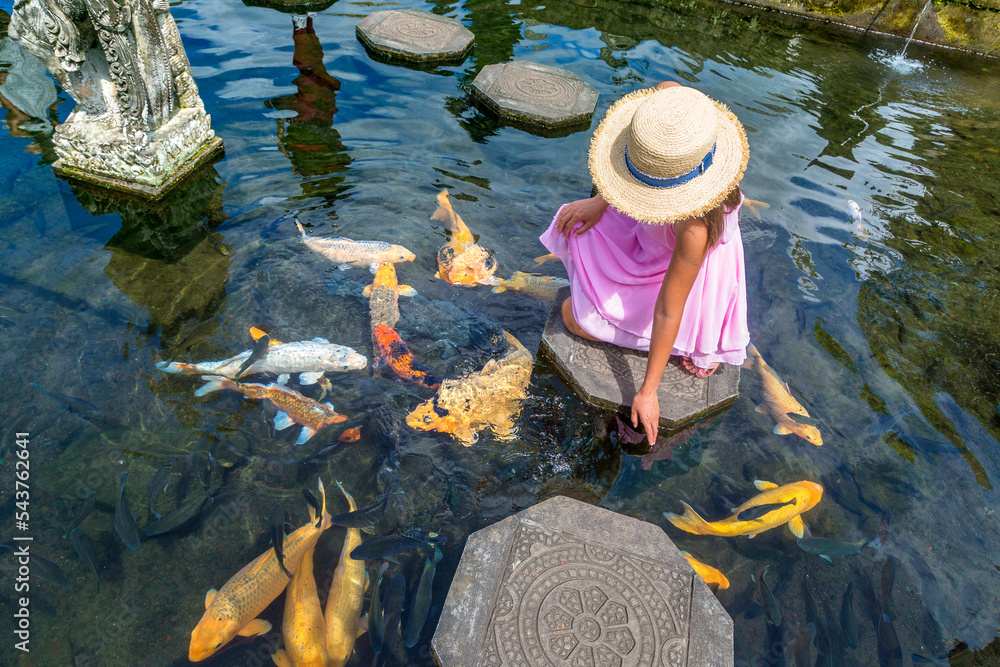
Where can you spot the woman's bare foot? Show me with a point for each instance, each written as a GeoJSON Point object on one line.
{"type": "Point", "coordinates": [689, 366]}
{"type": "Point", "coordinates": [570, 321]}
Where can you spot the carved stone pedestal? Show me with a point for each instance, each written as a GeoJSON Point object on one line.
{"type": "Point", "coordinates": [139, 124]}
{"type": "Point", "coordinates": [565, 583]}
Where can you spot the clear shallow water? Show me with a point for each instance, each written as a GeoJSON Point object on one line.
{"type": "Point", "coordinates": [899, 314]}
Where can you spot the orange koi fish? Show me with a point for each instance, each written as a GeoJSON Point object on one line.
{"type": "Point", "coordinates": [715, 579]}
{"type": "Point", "coordinates": [461, 261]}
{"type": "Point", "coordinates": [779, 402]}
{"type": "Point", "coordinates": [293, 407]}
{"type": "Point", "coordinates": [383, 296]}
{"type": "Point", "coordinates": [489, 398]}
{"type": "Point", "coordinates": [350, 435]}
{"type": "Point", "coordinates": [790, 500]}
{"type": "Point", "coordinates": [233, 609]}
{"type": "Point", "coordinates": [302, 627]}
{"type": "Point", "coordinates": [392, 352]}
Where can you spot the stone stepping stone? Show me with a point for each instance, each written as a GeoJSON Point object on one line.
{"type": "Point", "coordinates": [535, 94]}
{"type": "Point", "coordinates": [414, 35]}
{"type": "Point", "coordinates": [567, 583]}
{"type": "Point", "coordinates": [608, 376]}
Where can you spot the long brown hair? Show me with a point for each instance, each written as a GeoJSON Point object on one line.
{"type": "Point", "coordinates": [715, 219]}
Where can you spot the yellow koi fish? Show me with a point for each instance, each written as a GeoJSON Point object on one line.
{"type": "Point", "coordinates": [715, 579]}
{"type": "Point", "coordinates": [755, 207]}
{"type": "Point", "coordinates": [489, 398]}
{"type": "Point", "coordinates": [461, 261]}
{"type": "Point", "coordinates": [344, 623]}
{"type": "Point", "coordinates": [540, 287]}
{"type": "Point", "coordinates": [233, 609]}
{"type": "Point", "coordinates": [383, 296]}
{"type": "Point", "coordinates": [347, 254]}
{"type": "Point", "coordinates": [293, 407]}
{"type": "Point", "coordinates": [545, 258]}
{"type": "Point", "coordinates": [302, 626]}
{"type": "Point", "coordinates": [779, 402]}
{"type": "Point", "coordinates": [791, 500]}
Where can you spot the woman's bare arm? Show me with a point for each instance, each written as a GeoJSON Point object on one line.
{"type": "Point", "coordinates": [690, 249]}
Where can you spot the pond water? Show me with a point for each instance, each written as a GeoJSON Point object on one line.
{"type": "Point", "coordinates": [868, 319]}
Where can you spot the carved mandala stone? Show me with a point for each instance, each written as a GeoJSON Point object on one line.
{"type": "Point", "coordinates": [535, 94]}
{"type": "Point", "coordinates": [609, 376]}
{"type": "Point", "coordinates": [414, 35]}
{"type": "Point", "coordinates": [565, 583]}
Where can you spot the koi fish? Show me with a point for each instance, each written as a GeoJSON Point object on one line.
{"type": "Point", "coordinates": [350, 435]}
{"type": "Point", "coordinates": [715, 579]}
{"type": "Point", "coordinates": [394, 353]}
{"type": "Point", "coordinates": [383, 296]}
{"type": "Point", "coordinates": [347, 254]}
{"type": "Point", "coordinates": [489, 398]}
{"type": "Point", "coordinates": [309, 358]}
{"type": "Point", "coordinates": [540, 287]}
{"type": "Point", "coordinates": [344, 623]}
{"type": "Point", "coordinates": [806, 495]}
{"type": "Point", "coordinates": [545, 258]}
{"type": "Point", "coordinates": [302, 626]}
{"type": "Point", "coordinates": [755, 207]}
{"type": "Point", "coordinates": [233, 609]}
{"type": "Point", "coordinates": [461, 261]}
{"type": "Point", "coordinates": [293, 407]}
{"type": "Point", "coordinates": [779, 402]}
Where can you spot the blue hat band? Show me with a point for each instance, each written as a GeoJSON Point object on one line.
{"type": "Point", "coordinates": [657, 182]}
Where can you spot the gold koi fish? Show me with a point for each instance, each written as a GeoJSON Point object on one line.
{"type": "Point", "coordinates": [540, 287]}
{"type": "Point", "coordinates": [545, 258]}
{"type": "Point", "coordinates": [233, 609]}
{"type": "Point", "coordinates": [804, 494]}
{"type": "Point", "coordinates": [461, 261]}
{"type": "Point", "coordinates": [344, 623]}
{"type": "Point", "coordinates": [302, 625]}
{"type": "Point", "coordinates": [779, 403]}
{"type": "Point", "coordinates": [293, 407]}
{"type": "Point", "coordinates": [715, 579]}
{"type": "Point", "coordinates": [383, 296]}
{"type": "Point", "coordinates": [755, 207]}
{"type": "Point", "coordinates": [489, 398]}
{"type": "Point", "coordinates": [347, 254]}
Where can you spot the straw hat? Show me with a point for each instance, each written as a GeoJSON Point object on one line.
{"type": "Point", "coordinates": [685, 153]}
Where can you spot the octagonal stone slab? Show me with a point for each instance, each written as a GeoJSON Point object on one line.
{"type": "Point", "coordinates": [536, 94]}
{"type": "Point", "coordinates": [566, 583]}
{"type": "Point", "coordinates": [608, 376]}
{"type": "Point", "coordinates": [414, 35]}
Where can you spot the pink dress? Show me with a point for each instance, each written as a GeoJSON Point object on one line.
{"type": "Point", "coordinates": [616, 269]}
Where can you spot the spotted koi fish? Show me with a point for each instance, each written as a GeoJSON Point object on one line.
{"type": "Point", "coordinates": [383, 296]}
{"type": "Point", "coordinates": [487, 399]}
{"type": "Point", "coordinates": [347, 254]}
{"type": "Point", "coordinates": [233, 609]}
{"type": "Point", "coordinates": [394, 353]}
{"type": "Point", "coordinates": [461, 261]}
{"type": "Point", "coordinates": [293, 407]}
{"type": "Point", "coordinates": [309, 358]}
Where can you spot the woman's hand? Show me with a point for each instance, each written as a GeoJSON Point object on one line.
{"type": "Point", "coordinates": [646, 409]}
{"type": "Point", "coordinates": [586, 211]}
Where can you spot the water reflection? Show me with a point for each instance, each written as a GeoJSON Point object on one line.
{"type": "Point", "coordinates": [166, 257]}
{"type": "Point", "coordinates": [27, 93]}
{"type": "Point", "coordinates": [306, 135]}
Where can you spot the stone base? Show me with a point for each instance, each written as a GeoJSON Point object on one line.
{"type": "Point", "coordinates": [415, 36]}
{"type": "Point", "coordinates": [566, 583]}
{"type": "Point", "coordinates": [608, 376]}
{"type": "Point", "coordinates": [535, 94]}
{"type": "Point", "coordinates": [99, 153]}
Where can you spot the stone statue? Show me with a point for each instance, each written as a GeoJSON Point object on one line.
{"type": "Point", "coordinates": [139, 124]}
